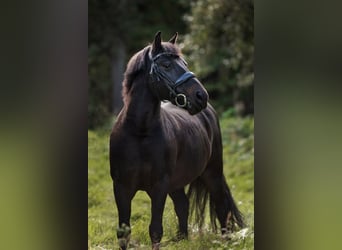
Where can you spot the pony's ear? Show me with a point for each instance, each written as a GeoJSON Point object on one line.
{"type": "Point", "coordinates": [156, 45]}
{"type": "Point", "coordinates": [173, 39]}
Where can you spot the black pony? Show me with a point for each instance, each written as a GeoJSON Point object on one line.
{"type": "Point", "coordinates": [161, 147]}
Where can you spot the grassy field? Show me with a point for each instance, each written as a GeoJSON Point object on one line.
{"type": "Point", "coordinates": [238, 141]}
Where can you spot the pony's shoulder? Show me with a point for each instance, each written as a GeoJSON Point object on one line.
{"type": "Point", "coordinates": [168, 107]}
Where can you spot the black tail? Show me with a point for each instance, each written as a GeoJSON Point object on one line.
{"type": "Point", "coordinates": [198, 195]}
{"type": "Point", "coordinates": [233, 212]}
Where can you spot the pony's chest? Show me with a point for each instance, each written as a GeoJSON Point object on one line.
{"type": "Point", "coordinates": [135, 151]}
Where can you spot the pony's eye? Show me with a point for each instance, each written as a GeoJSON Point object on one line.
{"type": "Point", "coordinates": [166, 65]}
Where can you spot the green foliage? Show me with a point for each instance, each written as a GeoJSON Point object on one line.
{"type": "Point", "coordinates": [238, 141]}
{"type": "Point", "coordinates": [99, 92]}
{"type": "Point", "coordinates": [220, 50]}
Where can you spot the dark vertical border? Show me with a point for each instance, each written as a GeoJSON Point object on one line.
{"type": "Point", "coordinates": [44, 111]}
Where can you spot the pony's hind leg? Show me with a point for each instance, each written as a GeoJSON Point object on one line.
{"type": "Point", "coordinates": [181, 203]}
{"type": "Point", "coordinates": [123, 198]}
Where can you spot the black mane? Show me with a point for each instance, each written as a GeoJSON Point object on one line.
{"type": "Point", "coordinates": [137, 64]}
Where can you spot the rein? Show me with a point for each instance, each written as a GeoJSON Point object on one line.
{"type": "Point", "coordinates": [158, 74]}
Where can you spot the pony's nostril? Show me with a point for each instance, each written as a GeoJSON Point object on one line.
{"type": "Point", "coordinates": [200, 95]}
{"type": "Point", "coordinates": [201, 99]}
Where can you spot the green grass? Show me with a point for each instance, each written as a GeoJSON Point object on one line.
{"type": "Point", "coordinates": [238, 142]}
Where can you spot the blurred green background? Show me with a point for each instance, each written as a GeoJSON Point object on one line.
{"type": "Point", "coordinates": [216, 38]}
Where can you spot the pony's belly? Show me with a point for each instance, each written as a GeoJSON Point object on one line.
{"type": "Point", "coordinates": [183, 177]}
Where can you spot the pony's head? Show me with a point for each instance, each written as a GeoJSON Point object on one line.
{"type": "Point", "coordinates": [170, 79]}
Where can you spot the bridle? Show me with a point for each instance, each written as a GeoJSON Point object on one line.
{"type": "Point", "coordinates": [156, 74]}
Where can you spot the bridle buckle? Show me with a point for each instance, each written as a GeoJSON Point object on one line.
{"type": "Point", "coordinates": [181, 102]}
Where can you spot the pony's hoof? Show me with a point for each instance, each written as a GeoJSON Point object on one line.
{"type": "Point", "coordinates": [155, 246]}
{"type": "Point", "coordinates": [180, 236]}
{"type": "Point", "coordinates": [123, 233]}
{"type": "Point", "coordinates": [123, 244]}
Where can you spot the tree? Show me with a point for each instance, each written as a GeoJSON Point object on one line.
{"type": "Point", "coordinates": [220, 50]}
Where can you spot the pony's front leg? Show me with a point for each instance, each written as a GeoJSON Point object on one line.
{"type": "Point", "coordinates": [181, 203]}
{"type": "Point", "coordinates": [158, 197]}
{"type": "Point", "coordinates": [123, 198]}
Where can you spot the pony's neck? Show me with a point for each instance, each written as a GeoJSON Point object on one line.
{"type": "Point", "coordinates": [142, 109]}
